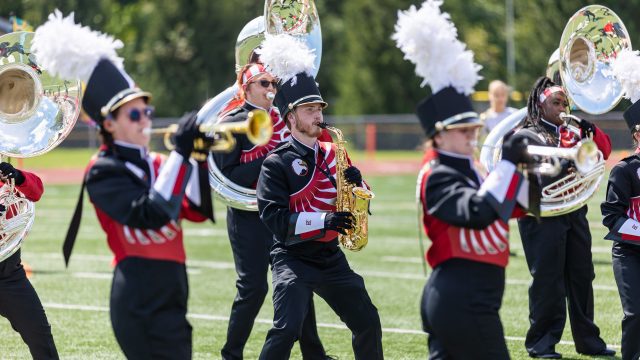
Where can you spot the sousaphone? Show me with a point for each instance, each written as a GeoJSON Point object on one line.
{"type": "Point", "coordinates": [294, 17]}
{"type": "Point", "coordinates": [590, 42]}
{"type": "Point", "coordinates": [37, 112]}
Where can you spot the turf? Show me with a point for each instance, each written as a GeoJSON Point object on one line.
{"type": "Point", "coordinates": [76, 299]}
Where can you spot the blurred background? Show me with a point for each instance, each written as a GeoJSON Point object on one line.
{"type": "Point", "coordinates": [183, 52]}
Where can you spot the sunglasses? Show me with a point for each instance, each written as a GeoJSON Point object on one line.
{"type": "Point", "coordinates": [135, 114]}
{"type": "Point", "coordinates": [265, 83]}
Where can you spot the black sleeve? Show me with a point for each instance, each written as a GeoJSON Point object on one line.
{"type": "Point", "coordinates": [451, 200]}
{"type": "Point", "coordinates": [614, 208]}
{"type": "Point", "coordinates": [114, 190]}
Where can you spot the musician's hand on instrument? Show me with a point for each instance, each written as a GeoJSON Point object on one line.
{"type": "Point", "coordinates": [186, 133]}
{"type": "Point", "coordinates": [587, 128]}
{"type": "Point", "coordinates": [353, 175]}
{"type": "Point", "coordinates": [7, 171]}
{"type": "Point", "coordinates": [339, 221]}
{"type": "Point", "coordinates": [514, 150]}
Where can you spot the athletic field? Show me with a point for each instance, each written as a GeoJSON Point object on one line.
{"type": "Point", "coordinates": [76, 299]}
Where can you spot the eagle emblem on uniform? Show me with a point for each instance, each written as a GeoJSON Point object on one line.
{"type": "Point", "coordinates": [300, 167]}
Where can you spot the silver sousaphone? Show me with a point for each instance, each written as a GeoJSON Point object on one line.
{"type": "Point", "coordinates": [37, 112]}
{"type": "Point", "coordinates": [590, 41]}
{"type": "Point", "coordinates": [294, 17]}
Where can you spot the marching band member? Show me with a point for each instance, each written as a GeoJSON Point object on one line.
{"type": "Point", "coordinates": [558, 248]}
{"type": "Point", "coordinates": [464, 216]}
{"type": "Point", "coordinates": [250, 239]}
{"type": "Point", "coordinates": [466, 220]}
{"type": "Point", "coordinates": [19, 302]}
{"type": "Point", "coordinates": [139, 197]}
{"type": "Point", "coordinates": [296, 199]}
{"type": "Point", "coordinates": [620, 216]}
{"type": "Point", "coordinates": [620, 212]}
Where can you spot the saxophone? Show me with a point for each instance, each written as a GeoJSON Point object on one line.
{"type": "Point", "coordinates": [350, 198]}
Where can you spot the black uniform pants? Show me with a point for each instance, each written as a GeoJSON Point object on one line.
{"type": "Point", "coordinates": [149, 308]}
{"type": "Point", "coordinates": [626, 268]}
{"type": "Point", "coordinates": [251, 242]}
{"type": "Point", "coordinates": [20, 304]}
{"type": "Point", "coordinates": [295, 280]}
{"type": "Point", "coordinates": [459, 309]}
{"type": "Point", "coordinates": [558, 252]}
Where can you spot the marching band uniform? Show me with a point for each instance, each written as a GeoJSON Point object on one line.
{"type": "Point", "coordinates": [296, 197]}
{"type": "Point", "coordinates": [621, 216]}
{"type": "Point", "coordinates": [250, 239]}
{"type": "Point", "coordinates": [140, 199]}
{"type": "Point", "coordinates": [558, 253]}
{"type": "Point", "coordinates": [19, 302]}
{"type": "Point", "coordinates": [466, 220]}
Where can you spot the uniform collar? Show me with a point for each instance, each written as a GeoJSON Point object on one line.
{"type": "Point", "coordinates": [462, 163]}
{"type": "Point", "coordinates": [130, 151]}
{"type": "Point", "coordinates": [549, 126]}
{"type": "Point", "coordinates": [251, 106]}
{"type": "Point", "coordinates": [301, 148]}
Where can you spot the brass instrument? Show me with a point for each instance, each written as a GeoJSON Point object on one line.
{"type": "Point", "coordinates": [258, 127]}
{"type": "Point", "coordinates": [37, 112]}
{"type": "Point", "coordinates": [350, 198]}
{"type": "Point", "coordinates": [592, 38]}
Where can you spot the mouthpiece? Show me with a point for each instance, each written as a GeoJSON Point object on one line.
{"type": "Point", "coordinates": [270, 95]}
{"type": "Point", "coordinates": [147, 131]}
{"type": "Point", "coordinates": [323, 125]}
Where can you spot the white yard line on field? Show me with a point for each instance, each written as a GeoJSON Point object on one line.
{"type": "Point", "coordinates": [268, 322]}
{"type": "Point", "coordinates": [225, 265]}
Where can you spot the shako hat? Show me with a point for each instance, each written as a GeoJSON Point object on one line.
{"type": "Point", "coordinates": [292, 62]}
{"type": "Point", "coordinates": [72, 51]}
{"type": "Point", "coordinates": [428, 38]}
{"type": "Point", "coordinates": [625, 69]}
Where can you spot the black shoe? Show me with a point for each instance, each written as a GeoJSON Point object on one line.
{"type": "Point", "coordinates": [604, 352]}
{"type": "Point", "coordinates": [549, 355]}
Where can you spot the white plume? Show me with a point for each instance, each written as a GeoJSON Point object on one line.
{"type": "Point", "coordinates": [72, 51]}
{"type": "Point", "coordinates": [626, 68]}
{"type": "Point", "coordinates": [429, 39]}
{"type": "Point", "coordinates": [284, 56]}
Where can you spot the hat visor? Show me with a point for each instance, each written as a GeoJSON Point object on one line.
{"type": "Point", "coordinates": [464, 126]}
{"type": "Point", "coordinates": [126, 99]}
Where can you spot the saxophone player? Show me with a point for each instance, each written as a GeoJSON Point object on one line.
{"type": "Point", "coordinates": [250, 240]}
{"type": "Point", "coordinates": [296, 199]}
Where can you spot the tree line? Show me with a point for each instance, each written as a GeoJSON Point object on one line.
{"type": "Point", "coordinates": [183, 50]}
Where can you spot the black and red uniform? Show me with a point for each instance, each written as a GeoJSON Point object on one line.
{"type": "Point", "coordinates": [140, 199]}
{"type": "Point", "coordinates": [251, 241]}
{"type": "Point", "coordinates": [466, 220]}
{"type": "Point", "coordinates": [295, 192]}
{"type": "Point", "coordinates": [558, 252]}
{"type": "Point", "coordinates": [19, 302]}
{"type": "Point", "coordinates": [621, 214]}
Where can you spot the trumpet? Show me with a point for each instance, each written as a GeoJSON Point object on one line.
{"type": "Point", "coordinates": [258, 128]}
{"type": "Point", "coordinates": [585, 157]}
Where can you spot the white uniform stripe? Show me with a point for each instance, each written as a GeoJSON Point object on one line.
{"type": "Point", "coordinates": [168, 176]}
{"type": "Point", "coordinates": [309, 221]}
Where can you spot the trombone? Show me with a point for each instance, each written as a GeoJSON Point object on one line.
{"type": "Point", "coordinates": [258, 128]}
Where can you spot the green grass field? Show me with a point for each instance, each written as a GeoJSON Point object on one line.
{"type": "Point", "coordinates": [76, 299]}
